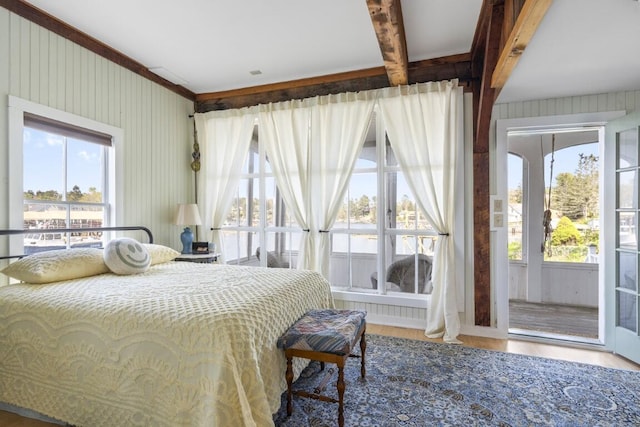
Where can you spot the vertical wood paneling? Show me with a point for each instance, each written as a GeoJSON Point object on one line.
{"type": "Point", "coordinates": [601, 104]}
{"type": "Point", "coordinates": [115, 90]}
{"type": "Point", "coordinates": [34, 62]}
{"type": "Point", "coordinates": [89, 84]}
{"type": "Point", "coordinates": [43, 62]}
{"type": "Point", "coordinates": [69, 77]}
{"type": "Point", "coordinates": [45, 68]}
{"type": "Point", "coordinates": [100, 94]}
{"type": "Point", "coordinates": [78, 94]}
{"type": "Point", "coordinates": [14, 51]}
{"type": "Point", "coordinates": [25, 51]}
{"type": "Point", "coordinates": [621, 99]}
{"type": "Point", "coordinates": [5, 82]}
{"type": "Point", "coordinates": [626, 100]}
{"type": "Point", "coordinates": [52, 61]}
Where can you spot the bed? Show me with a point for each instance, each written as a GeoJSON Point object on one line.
{"type": "Point", "coordinates": [182, 344]}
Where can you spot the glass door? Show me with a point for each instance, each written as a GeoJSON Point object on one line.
{"type": "Point", "coordinates": [622, 292]}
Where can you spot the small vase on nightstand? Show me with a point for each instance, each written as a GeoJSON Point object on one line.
{"type": "Point", "coordinates": [187, 239]}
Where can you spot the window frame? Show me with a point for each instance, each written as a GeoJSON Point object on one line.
{"type": "Point", "coordinates": [113, 191]}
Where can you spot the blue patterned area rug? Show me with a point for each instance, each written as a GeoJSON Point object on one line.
{"type": "Point", "coordinates": [418, 383]}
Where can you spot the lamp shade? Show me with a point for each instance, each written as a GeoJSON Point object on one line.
{"type": "Point", "coordinates": [188, 214]}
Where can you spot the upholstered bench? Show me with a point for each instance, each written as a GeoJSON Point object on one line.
{"type": "Point", "coordinates": [325, 336]}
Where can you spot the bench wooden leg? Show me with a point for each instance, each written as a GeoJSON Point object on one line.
{"type": "Point", "coordinates": [289, 377]}
{"type": "Point", "coordinates": [341, 387]}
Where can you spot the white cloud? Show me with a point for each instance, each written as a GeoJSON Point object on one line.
{"type": "Point", "coordinates": [54, 140]}
{"type": "Point", "coordinates": [86, 156]}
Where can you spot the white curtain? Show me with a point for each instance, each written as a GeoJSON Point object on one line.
{"type": "Point", "coordinates": [224, 138]}
{"type": "Point", "coordinates": [312, 146]}
{"type": "Point", "coordinates": [423, 125]}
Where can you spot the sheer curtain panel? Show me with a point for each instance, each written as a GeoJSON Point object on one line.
{"type": "Point", "coordinates": [313, 146]}
{"type": "Point", "coordinates": [224, 138]}
{"type": "Point", "coordinates": [423, 123]}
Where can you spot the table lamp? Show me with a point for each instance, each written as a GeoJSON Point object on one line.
{"type": "Point", "coordinates": [187, 214]}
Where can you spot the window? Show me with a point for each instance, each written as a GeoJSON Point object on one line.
{"type": "Point", "coordinates": [63, 176]}
{"type": "Point", "coordinates": [379, 231]}
{"type": "Point", "coordinates": [258, 229]}
{"type": "Point", "coordinates": [380, 217]}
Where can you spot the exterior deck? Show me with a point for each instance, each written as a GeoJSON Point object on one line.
{"type": "Point", "coordinates": [555, 319]}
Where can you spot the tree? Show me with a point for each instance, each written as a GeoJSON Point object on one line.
{"type": "Point", "coordinates": [362, 205]}
{"type": "Point", "coordinates": [576, 195]}
{"type": "Point", "coordinates": [75, 195]}
{"type": "Point", "coordinates": [566, 233]}
{"type": "Point", "coordinates": [566, 196]}
{"type": "Point", "coordinates": [47, 195]}
{"type": "Point", "coordinates": [93, 195]}
{"type": "Point", "coordinates": [587, 176]}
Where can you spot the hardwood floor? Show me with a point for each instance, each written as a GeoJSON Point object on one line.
{"type": "Point", "coordinates": [595, 357]}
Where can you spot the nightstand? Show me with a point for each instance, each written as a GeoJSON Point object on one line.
{"type": "Point", "coordinates": [200, 258]}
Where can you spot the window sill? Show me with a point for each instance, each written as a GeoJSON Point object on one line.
{"type": "Point", "coordinates": [396, 299]}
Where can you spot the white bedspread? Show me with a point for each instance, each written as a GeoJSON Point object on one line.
{"type": "Point", "coordinates": [184, 344]}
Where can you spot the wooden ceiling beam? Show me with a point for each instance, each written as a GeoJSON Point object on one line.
{"type": "Point", "coordinates": [386, 17]}
{"type": "Point", "coordinates": [523, 30]}
{"type": "Point", "coordinates": [445, 68]}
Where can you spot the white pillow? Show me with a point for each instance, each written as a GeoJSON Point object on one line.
{"type": "Point", "coordinates": [56, 265]}
{"type": "Point", "coordinates": [126, 256]}
{"type": "Point", "coordinates": [160, 254]}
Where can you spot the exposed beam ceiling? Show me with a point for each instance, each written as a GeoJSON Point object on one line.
{"type": "Point", "coordinates": [525, 27]}
{"type": "Point", "coordinates": [386, 17]}
{"type": "Point", "coordinates": [446, 68]}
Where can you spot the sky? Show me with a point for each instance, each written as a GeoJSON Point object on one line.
{"type": "Point", "coordinates": [44, 168]}
{"type": "Point", "coordinates": [566, 160]}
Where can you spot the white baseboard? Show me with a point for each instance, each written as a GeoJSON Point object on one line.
{"type": "Point", "coordinates": [400, 322]}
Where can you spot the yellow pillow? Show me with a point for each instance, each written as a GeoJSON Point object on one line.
{"type": "Point", "coordinates": [160, 254]}
{"type": "Point", "coordinates": [56, 265]}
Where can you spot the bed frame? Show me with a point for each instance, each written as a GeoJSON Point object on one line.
{"type": "Point", "coordinates": [71, 230]}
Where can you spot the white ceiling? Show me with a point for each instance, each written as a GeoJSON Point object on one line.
{"type": "Point", "coordinates": [581, 47]}
{"type": "Point", "coordinates": [214, 44]}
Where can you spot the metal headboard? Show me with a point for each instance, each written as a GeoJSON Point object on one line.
{"type": "Point", "coordinates": [72, 230]}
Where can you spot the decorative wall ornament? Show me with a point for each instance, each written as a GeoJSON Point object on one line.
{"type": "Point", "coordinates": [195, 164]}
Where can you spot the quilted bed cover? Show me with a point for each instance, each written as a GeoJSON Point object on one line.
{"type": "Point", "coordinates": [183, 344]}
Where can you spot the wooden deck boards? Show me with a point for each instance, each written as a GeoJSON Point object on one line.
{"type": "Point", "coordinates": [554, 318]}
